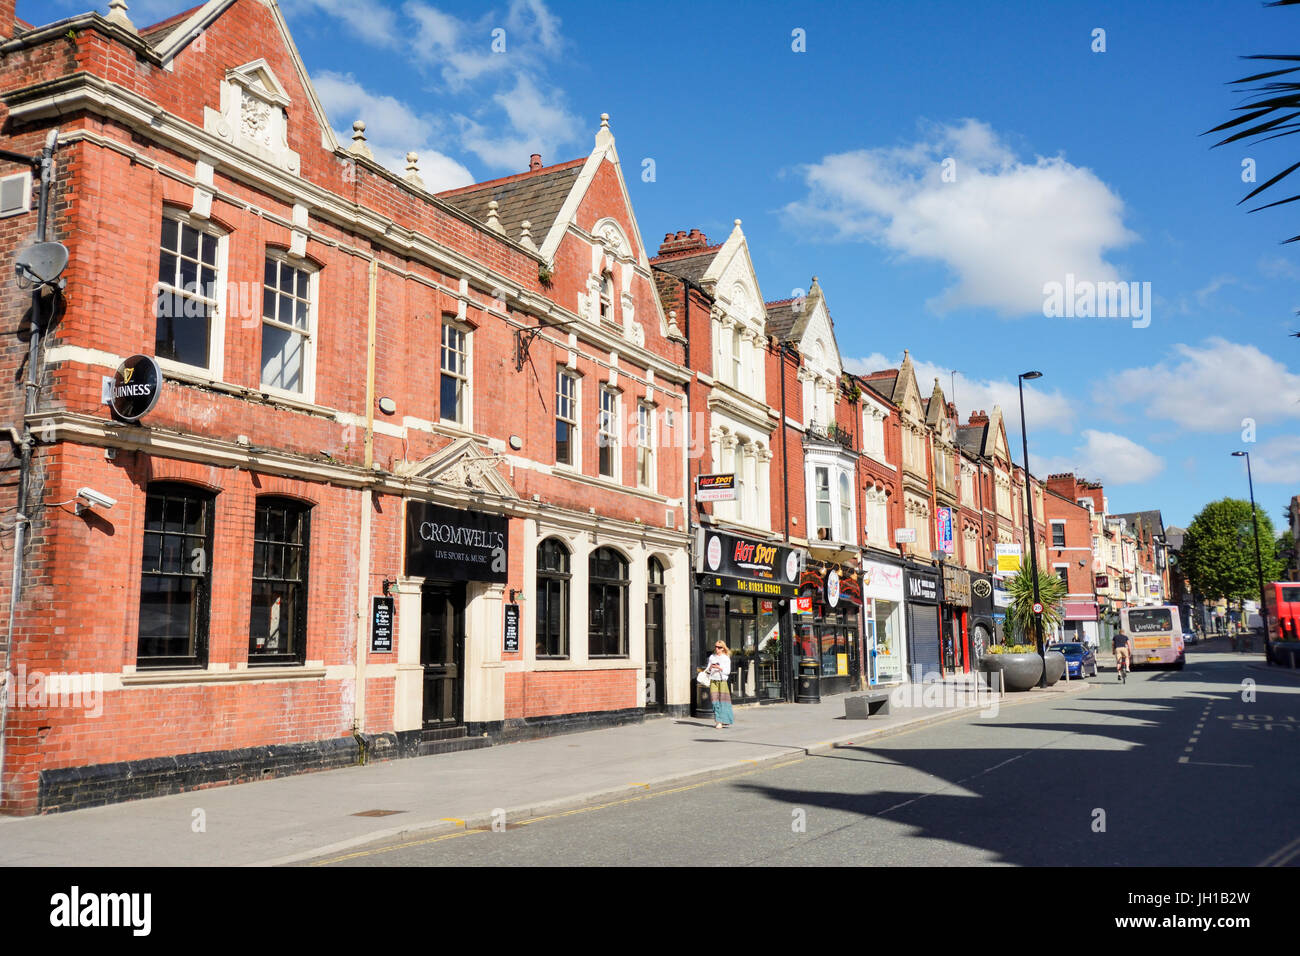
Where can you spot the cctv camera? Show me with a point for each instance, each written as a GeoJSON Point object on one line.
{"type": "Point", "coordinates": [92, 497]}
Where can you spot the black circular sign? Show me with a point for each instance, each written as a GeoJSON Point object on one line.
{"type": "Point", "coordinates": [981, 588]}
{"type": "Point", "coordinates": [135, 388]}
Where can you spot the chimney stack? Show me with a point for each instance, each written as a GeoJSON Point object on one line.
{"type": "Point", "coordinates": [534, 162]}
{"type": "Point", "coordinates": [979, 418]}
{"type": "Point", "coordinates": [683, 241]}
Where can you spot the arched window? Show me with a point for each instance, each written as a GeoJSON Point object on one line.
{"type": "Point", "coordinates": [606, 297]}
{"type": "Point", "coordinates": [552, 599]}
{"type": "Point", "coordinates": [607, 604]}
{"type": "Point", "coordinates": [278, 626]}
{"type": "Point", "coordinates": [175, 576]}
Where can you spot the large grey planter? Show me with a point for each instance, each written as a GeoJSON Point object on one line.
{"type": "Point", "coordinates": [1020, 671]}
{"type": "Point", "coordinates": [1055, 667]}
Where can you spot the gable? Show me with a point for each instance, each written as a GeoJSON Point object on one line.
{"type": "Point", "coordinates": [909, 401]}
{"type": "Point", "coordinates": [817, 343]}
{"type": "Point", "coordinates": [734, 282]}
{"type": "Point", "coordinates": [464, 466]}
{"type": "Point", "coordinates": [207, 51]}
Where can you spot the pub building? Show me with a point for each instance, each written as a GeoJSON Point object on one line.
{"type": "Point", "coordinates": [883, 623]}
{"type": "Point", "coordinates": [456, 567]}
{"type": "Point", "coordinates": [828, 625]}
{"type": "Point", "coordinates": [955, 614]}
{"type": "Point", "coordinates": [923, 651]}
{"type": "Point", "coordinates": [746, 589]}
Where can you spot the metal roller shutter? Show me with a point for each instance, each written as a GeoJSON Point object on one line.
{"type": "Point", "coordinates": [923, 641]}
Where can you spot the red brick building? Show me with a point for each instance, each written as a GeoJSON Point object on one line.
{"type": "Point", "coordinates": [1070, 555]}
{"type": "Point", "coordinates": [469, 404]}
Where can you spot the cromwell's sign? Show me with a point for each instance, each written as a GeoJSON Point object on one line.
{"type": "Point", "coordinates": [448, 544]}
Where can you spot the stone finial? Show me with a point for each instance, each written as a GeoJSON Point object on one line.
{"type": "Point", "coordinates": [673, 330]}
{"type": "Point", "coordinates": [737, 223]}
{"type": "Point", "coordinates": [526, 236]}
{"type": "Point", "coordinates": [493, 222]}
{"type": "Point", "coordinates": [117, 14]}
{"type": "Point", "coordinates": [359, 147]}
{"type": "Point", "coordinates": [604, 136]}
{"type": "Point", "coordinates": [413, 170]}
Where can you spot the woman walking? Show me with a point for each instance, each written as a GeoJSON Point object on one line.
{"type": "Point", "coordinates": [719, 669]}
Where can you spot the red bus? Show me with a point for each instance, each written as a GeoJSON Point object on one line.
{"type": "Point", "coordinates": [1282, 623]}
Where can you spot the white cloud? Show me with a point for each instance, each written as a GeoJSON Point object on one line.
{"type": "Point", "coordinates": [1044, 409]}
{"type": "Point", "coordinates": [1106, 457]}
{"type": "Point", "coordinates": [373, 21]}
{"type": "Point", "coordinates": [537, 124]}
{"type": "Point", "coordinates": [1279, 267]}
{"type": "Point", "coordinates": [392, 129]}
{"type": "Point", "coordinates": [1211, 387]}
{"type": "Point", "coordinates": [1277, 460]}
{"type": "Point", "coordinates": [1004, 226]}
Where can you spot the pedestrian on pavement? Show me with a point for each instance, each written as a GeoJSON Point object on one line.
{"type": "Point", "coordinates": [719, 669]}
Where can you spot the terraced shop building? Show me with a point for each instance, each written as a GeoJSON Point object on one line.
{"type": "Point", "coordinates": [414, 478]}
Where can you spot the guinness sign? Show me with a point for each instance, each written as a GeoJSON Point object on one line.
{"type": "Point", "coordinates": [135, 388]}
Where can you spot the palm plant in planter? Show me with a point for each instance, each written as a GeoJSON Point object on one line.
{"type": "Point", "coordinates": [1020, 664]}
{"type": "Point", "coordinates": [1051, 594]}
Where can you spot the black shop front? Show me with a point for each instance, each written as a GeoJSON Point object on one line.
{"type": "Point", "coordinates": [828, 624]}
{"type": "Point", "coordinates": [744, 588]}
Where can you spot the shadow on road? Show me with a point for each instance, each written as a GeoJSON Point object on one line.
{"type": "Point", "coordinates": [1096, 780]}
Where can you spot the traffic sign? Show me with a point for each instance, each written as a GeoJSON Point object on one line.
{"type": "Point", "coordinates": [1038, 608]}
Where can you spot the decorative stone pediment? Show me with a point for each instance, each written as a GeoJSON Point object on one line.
{"type": "Point", "coordinates": [465, 465]}
{"type": "Point", "coordinates": [253, 115]}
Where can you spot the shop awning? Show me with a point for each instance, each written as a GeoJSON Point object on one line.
{"type": "Point", "coordinates": [1080, 611]}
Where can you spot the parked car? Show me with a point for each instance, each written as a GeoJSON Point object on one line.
{"type": "Point", "coordinates": [1080, 661]}
{"type": "Point", "coordinates": [1189, 637]}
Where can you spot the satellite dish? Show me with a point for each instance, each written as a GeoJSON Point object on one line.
{"type": "Point", "coordinates": [44, 262]}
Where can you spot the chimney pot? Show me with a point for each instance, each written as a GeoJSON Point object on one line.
{"type": "Point", "coordinates": [534, 162]}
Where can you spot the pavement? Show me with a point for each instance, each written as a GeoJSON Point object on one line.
{"type": "Point", "coordinates": [304, 817]}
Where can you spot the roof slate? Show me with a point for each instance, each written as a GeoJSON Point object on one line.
{"type": "Point", "coordinates": [535, 197]}
{"type": "Point", "coordinates": [1151, 520]}
{"type": "Point", "coordinates": [781, 318]}
{"type": "Point", "coordinates": [690, 267]}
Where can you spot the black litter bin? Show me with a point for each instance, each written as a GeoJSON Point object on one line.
{"type": "Point", "coordinates": [702, 703]}
{"type": "Point", "coordinates": [810, 690]}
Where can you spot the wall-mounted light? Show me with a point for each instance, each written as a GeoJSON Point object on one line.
{"type": "Point", "coordinates": [387, 584]}
{"type": "Point", "coordinates": [387, 405]}
{"type": "Point", "coordinates": [516, 442]}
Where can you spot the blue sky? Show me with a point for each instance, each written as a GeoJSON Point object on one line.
{"type": "Point", "coordinates": [1063, 161]}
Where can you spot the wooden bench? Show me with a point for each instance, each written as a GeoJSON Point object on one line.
{"type": "Point", "coordinates": [863, 706]}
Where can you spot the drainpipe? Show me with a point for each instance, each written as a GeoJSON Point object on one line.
{"type": "Point", "coordinates": [363, 564]}
{"type": "Point", "coordinates": [32, 387]}
{"type": "Point", "coordinates": [688, 495]}
{"type": "Point", "coordinates": [785, 457]}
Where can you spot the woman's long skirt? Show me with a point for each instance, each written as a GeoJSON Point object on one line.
{"type": "Point", "coordinates": [720, 694]}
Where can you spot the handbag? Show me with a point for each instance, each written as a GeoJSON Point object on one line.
{"type": "Point", "coordinates": [702, 678]}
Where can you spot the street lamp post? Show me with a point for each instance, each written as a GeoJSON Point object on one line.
{"type": "Point", "coordinates": [1029, 508]}
{"type": "Point", "coordinates": [1259, 564]}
